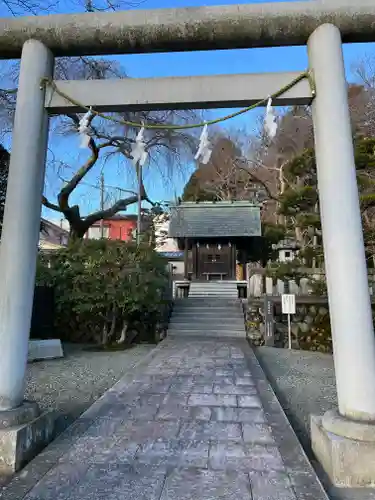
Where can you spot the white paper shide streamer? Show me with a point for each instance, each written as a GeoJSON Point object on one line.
{"type": "Point", "coordinates": [204, 150]}
{"type": "Point", "coordinates": [139, 152]}
{"type": "Point", "coordinates": [270, 122]}
{"type": "Point", "coordinates": [84, 128]}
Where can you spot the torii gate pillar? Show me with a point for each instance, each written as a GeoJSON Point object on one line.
{"type": "Point", "coordinates": [343, 441]}
{"type": "Point", "coordinates": [22, 430]}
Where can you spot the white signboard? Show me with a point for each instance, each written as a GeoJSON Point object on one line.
{"type": "Point", "coordinates": [288, 304]}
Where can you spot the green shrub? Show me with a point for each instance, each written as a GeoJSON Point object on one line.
{"type": "Point", "coordinates": [106, 292]}
{"type": "Point", "coordinates": [290, 270]}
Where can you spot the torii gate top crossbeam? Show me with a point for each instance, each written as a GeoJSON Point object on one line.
{"type": "Point", "coordinates": [187, 29]}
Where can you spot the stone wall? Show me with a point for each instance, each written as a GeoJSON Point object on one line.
{"type": "Point", "coordinates": [254, 324]}
{"type": "Point", "coordinates": [306, 282]}
{"type": "Point", "coordinates": [310, 326]}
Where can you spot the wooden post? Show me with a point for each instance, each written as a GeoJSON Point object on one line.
{"type": "Point", "coordinates": [269, 331]}
{"type": "Point", "coordinates": [233, 261]}
{"type": "Point", "coordinates": [194, 260]}
{"type": "Point", "coordinates": [186, 260]}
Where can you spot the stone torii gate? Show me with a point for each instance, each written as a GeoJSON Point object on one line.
{"type": "Point", "coordinates": [344, 442]}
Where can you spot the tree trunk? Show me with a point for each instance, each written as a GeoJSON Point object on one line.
{"type": "Point", "coordinates": [313, 264]}
{"type": "Point", "coordinates": [77, 228]}
{"type": "Point", "coordinates": [124, 330]}
{"type": "Point", "coordinates": [281, 218]}
{"type": "Point", "coordinates": [75, 234]}
{"type": "Point", "coordinates": [112, 331]}
{"type": "Point", "coordinates": [105, 334]}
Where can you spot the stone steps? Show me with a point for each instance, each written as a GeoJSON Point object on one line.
{"type": "Point", "coordinates": [218, 289]}
{"type": "Point", "coordinates": [209, 300]}
{"type": "Point", "coordinates": [199, 326]}
{"type": "Point", "coordinates": [202, 304]}
{"type": "Point", "coordinates": [208, 306]}
{"type": "Point", "coordinates": [210, 320]}
{"type": "Point", "coordinates": [211, 310]}
{"type": "Point", "coordinates": [206, 333]}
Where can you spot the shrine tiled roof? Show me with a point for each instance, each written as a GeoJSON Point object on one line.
{"type": "Point", "coordinates": [215, 220]}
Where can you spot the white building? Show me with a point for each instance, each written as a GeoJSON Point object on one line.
{"type": "Point", "coordinates": [168, 247]}
{"type": "Point", "coordinates": [52, 236]}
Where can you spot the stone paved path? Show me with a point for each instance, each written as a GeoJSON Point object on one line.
{"type": "Point", "coordinates": [191, 425]}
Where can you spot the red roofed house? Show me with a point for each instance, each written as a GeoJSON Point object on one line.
{"type": "Point", "coordinates": [118, 227]}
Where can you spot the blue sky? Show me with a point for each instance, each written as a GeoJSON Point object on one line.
{"type": "Point", "coordinates": [184, 64]}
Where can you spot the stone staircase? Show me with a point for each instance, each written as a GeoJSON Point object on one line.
{"type": "Point", "coordinates": [220, 289]}
{"type": "Point", "coordinates": [211, 310]}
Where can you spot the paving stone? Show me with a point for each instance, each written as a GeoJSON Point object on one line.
{"type": "Point", "coordinates": [220, 372]}
{"type": "Point", "coordinates": [305, 485]}
{"type": "Point", "coordinates": [175, 399]}
{"type": "Point", "coordinates": [257, 433]}
{"type": "Point", "coordinates": [223, 351]}
{"type": "Point", "coordinates": [242, 372]}
{"type": "Point", "coordinates": [237, 455]}
{"type": "Point", "coordinates": [190, 484]}
{"type": "Point", "coordinates": [210, 430]}
{"type": "Point", "coordinates": [154, 371]}
{"type": "Point", "coordinates": [237, 355]}
{"type": "Point", "coordinates": [104, 427]}
{"type": "Point", "coordinates": [155, 388]}
{"type": "Point", "coordinates": [115, 482]}
{"type": "Point", "coordinates": [148, 379]}
{"type": "Point", "coordinates": [249, 402]}
{"type": "Point", "coordinates": [58, 482]}
{"type": "Point", "coordinates": [222, 364]}
{"type": "Point", "coordinates": [206, 388]}
{"type": "Point", "coordinates": [91, 448]}
{"type": "Point", "coordinates": [244, 380]}
{"type": "Point", "coordinates": [181, 388]}
{"type": "Point", "coordinates": [173, 412]}
{"type": "Point", "coordinates": [255, 415]}
{"type": "Point", "coordinates": [235, 389]}
{"type": "Point", "coordinates": [202, 389]}
{"type": "Point", "coordinates": [213, 380]}
{"type": "Point", "coordinates": [271, 485]}
{"type": "Point", "coordinates": [132, 389]}
{"type": "Point", "coordinates": [212, 400]}
{"type": "Point", "coordinates": [193, 412]}
{"type": "Point", "coordinates": [143, 406]}
{"type": "Point", "coordinates": [187, 379]}
{"type": "Point", "coordinates": [174, 453]}
{"type": "Point", "coordinates": [141, 431]}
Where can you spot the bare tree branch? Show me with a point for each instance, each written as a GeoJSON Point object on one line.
{"type": "Point", "coordinates": [50, 205]}
{"type": "Point", "coordinates": [68, 189]}
{"type": "Point", "coordinates": [119, 206]}
{"type": "Point", "coordinates": [256, 179]}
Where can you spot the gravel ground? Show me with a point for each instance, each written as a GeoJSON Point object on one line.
{"type": "Point", "coordinates": [304, 383]}
{"type": "Point", "coordinates": [71, 384]}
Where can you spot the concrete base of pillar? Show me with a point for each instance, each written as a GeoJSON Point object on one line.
{"type": "Point", "coordinates": [24, 432]}
{"type": "Point", "coordinates": [45, 349]}
{"type": "Point", "coordinates": [348, 461]}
